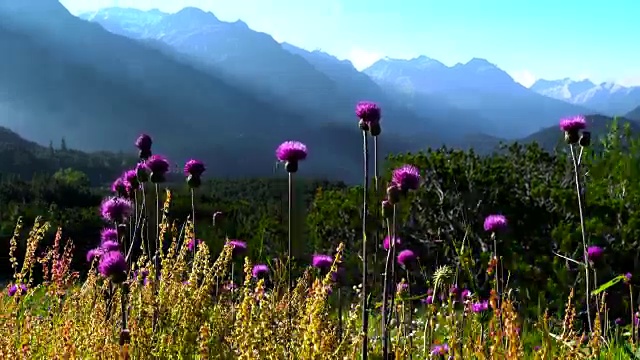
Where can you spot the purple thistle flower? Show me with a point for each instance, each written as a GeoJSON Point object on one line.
{"type": "Point", "coordinates": [402, 287]}
{"type": "Point", "coordinates": [239, 247]}
{"type": "Point", "coordinates": [93, 254]}
{"type": "Point", "coordinates": [291, 151]}
{"type": "Point", "coordinates": [405, 257]}
{"type": "Point", "coordinates": [574, 123]}
{"type": "Point", "coordinates": [428, 300]}
{"type": "Point", "coordinates": [13, 289]}
{"type": "Point", "coordinates": [439, 350]}
{"type": "Point", "coordinates": [144, 142]}
{"type": "Point", "coordinates": [192, 244]}
{"type": "Point", "coordinates": [594, 253]}
{"type": "Point", "coordinates": [321, 261]}
{"type": "Point", "coordinates": [119, 187]}
{"type": "Point", "coordinates": [113, 265]}
{"type": "Point", "coordinates": [407, 177]}
{"type": "Point", "coordinates": [368, 111]}
{"type": "Point", "coordinates": [109, 234]}
{"type": "Point", "coordinates": [131, 177]}
{"type": "Point", "coordinates": [194, 168]}
{"type": "Point", "coordinates": [618, 321]}
{"type": "Point", "coordinates": [495, 223]}
{"type": "Point", "coordinates": [453, 290]}
{"type": "Point", "coordinates": [116, 209]}
{"type": "Point", "coordinates": [157, 164]}
{"type": "Point", "coordinates": [107, 246]}
{"type": "Point", "coordinates": [466, 293]}
{"type": "Point", "coordinates": [627, 278]}
{"type": "Point", "coordinates": [259, 271]}
{"type": "Point", "coordinates": [386, 243]}
{"type": "Point", "coordinates": [479, 307]}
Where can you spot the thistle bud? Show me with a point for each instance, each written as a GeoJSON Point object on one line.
{"type": "Point", "coordinates": [194, 181]}
{"type": "Point", "coordinates": [387, 209]}
{"type": "Point", "coordinates": [393, 194]}
{"type": "Point", "coordinates": [364, 126]}
{"type": "Point", "coordinates": [291, 166]}
{"type": "Point", "coordinates": [571, 137]}
{"type": "Point", "coordinates": [144, 154]}
{"type": "Point", "coordinates": [375, 128]}
{"type": "Point", "coordinates": [585, 139]}
{"type": "Point", "coordinates": [142, 174]}
{"type": "Point", "coordinates": [157, 178]}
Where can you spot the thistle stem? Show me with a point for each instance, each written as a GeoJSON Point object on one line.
{"type": "Point", "coordinates": [157, 256]}
{"type": "Point", "coordinates": [365, 312]}
{"type": "Point", "coordinates": [193, 224]}
{"type": "Point", "coordinates": [576, 167]}
{"type": "Point", "coordinates": [385, 296]}
{"type": "Point", "coordinates": [289, 227]}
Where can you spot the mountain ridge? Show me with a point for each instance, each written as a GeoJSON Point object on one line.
{"type": "Point", "coordinates": [478, 86]}
{"type": "Point", "coordinates": [253, 59]}
{"type": "Point", "coordinates": [99, 90]}
{"type": "Point", "coordinates": [609, 98]}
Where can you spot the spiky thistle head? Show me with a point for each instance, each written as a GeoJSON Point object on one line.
{"type": "Point", "coordinates": [108, 234]}
{"type": "Point", "coordinates": [119, 187]}
{"type": "Point", "coordinates": [116, 209]}
{"type": "Point", "coordinates": [143, 143]}
{"type": "Point", "coordinates": [113, 265]}
{"type": "Point", "coordinates": [386, 243]}
{"type": "Point", "coordinates": [594, 253]}
{"type": "Point", "coordinates": [157, 164]}
{"type": "Point", "coordinates": [573, 123]}
{"type": "Point", "coordinates": [290, 151]}
{"type": "Point", "coordinates": [406, 177]}
{"type": "Point", "coordinates": [131, 177]}
{"type": "Point", "coordinates": [321, 261]}
{"type": "Point", "coordinates": [259, 271]}
{"type": "Point", "coordinates": [406, 257]}
{"type": "Point", "coordinates": [495, 223]}
{"type": "Point", "coordinates": [441, 277]}
{"type": "Point", "coordinates": [238, 247]}
{"type": "Point", "coordinates": [368, 111]}
{"type": "Point", "coordinates": [194, 167]}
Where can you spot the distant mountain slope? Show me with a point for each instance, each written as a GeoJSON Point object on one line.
{"type": "Point", "coordinates": [351, 80]}
{"type": "Point", "coordinates": [65, 77]}
{"type": "Point", "coordinates": [257, 62]}
{"type": "Point", "coordinates": [477, 86]}
{"type": "Point", "coordinates": [26, 159]}
{"type": "Point", "coordinates": [609, 98]}
{"type": "Point", "coordinates": [634, 114]}
{"type": "Point", "coordinates": [598, 125]}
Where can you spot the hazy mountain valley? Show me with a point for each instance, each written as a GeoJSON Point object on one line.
{"type": "Point", "coordinates": [189, 78]}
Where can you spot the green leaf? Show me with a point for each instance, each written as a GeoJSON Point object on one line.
{"type": "Point", "coordinates": [607, 285]}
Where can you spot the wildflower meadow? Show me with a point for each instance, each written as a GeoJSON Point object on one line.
{"type": "Point", "coordinates": [437, 255]}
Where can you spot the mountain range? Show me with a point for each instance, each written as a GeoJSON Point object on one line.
{"type": "Point", "coordinates": [228, 95]}
{"type": "Point", "coordinates": [607, 98]}
{"type": "Point", "coordinates": [634, 114]}
{"type": "Point", "coordinates": [478, 94]}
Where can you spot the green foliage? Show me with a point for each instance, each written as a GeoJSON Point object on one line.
{"type": "Point", "coordinates": [535, 190]}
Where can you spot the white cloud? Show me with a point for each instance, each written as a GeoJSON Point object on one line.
{"type": "Point", "coordinates": [362, 59]}
{"type": "Point", "coordinates": [630, 81]}
{"type": "Point", "coordinates": [523, 77]}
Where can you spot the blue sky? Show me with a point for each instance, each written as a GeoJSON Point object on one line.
{"type": "Point", "coordinates": [530, 39]}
